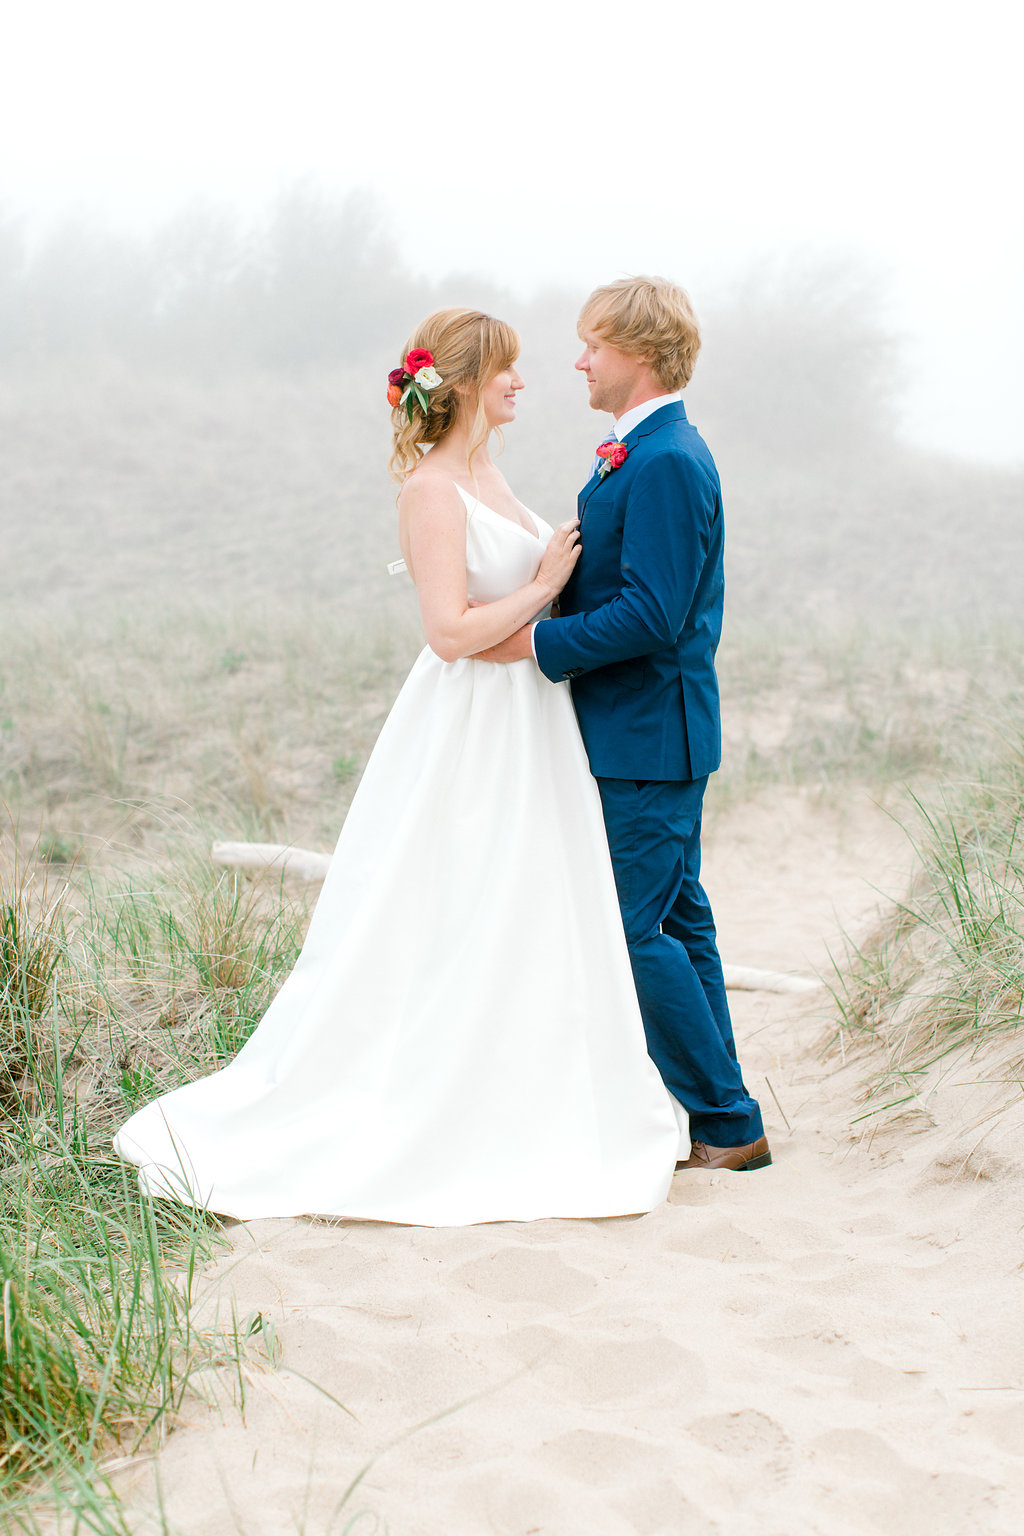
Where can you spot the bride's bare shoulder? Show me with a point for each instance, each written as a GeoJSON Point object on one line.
{"type": "Point", "coordinates": [428, 488]}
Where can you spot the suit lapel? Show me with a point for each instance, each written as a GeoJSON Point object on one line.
{"type": "Point", "coordinates": [588, 491]}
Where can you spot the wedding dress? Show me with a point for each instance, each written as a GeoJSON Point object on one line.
{"type": "Point", "coordinates": [459, 1040]}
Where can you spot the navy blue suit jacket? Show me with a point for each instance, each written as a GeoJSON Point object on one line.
{"type": "Point", "coordinates": [641, 616]}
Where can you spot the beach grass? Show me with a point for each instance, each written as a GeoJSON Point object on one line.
{"type": "Point", "coordinates": [115, 730]}
{"type": "Point", "coordinates": [870, 704]}
{"type": "Point", "coordinates": [937, 990]}
{"type": "Point", "coordinates": [109, 993]}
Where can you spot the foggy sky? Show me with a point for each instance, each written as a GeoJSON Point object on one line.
{"type": "Point", "coordinates": [570, 142]}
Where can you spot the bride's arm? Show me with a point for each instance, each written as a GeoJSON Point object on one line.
{"type": "Point", "coordinates": [432, 531]}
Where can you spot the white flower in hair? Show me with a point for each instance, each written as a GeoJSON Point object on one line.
{"type": "Point", "coordinates": [428, 378]}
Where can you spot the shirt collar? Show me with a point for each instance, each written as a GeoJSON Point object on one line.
{"type": "Point", "coordinates": [630, 419]}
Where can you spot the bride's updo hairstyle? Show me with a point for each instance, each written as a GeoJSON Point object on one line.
{"type": "Point", "coordinates": [647, 317]}
{"type": "Point", "coordinates": [469, 349]}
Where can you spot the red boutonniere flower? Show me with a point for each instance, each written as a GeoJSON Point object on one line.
{"type": "Point", "coordinates": [613, 454]}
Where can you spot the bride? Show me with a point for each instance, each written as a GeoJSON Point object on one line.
{"type": "Point", "coordinates": [459, 1040]}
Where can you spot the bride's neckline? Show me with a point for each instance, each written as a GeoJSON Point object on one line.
{"type": "Point", "coordinates": [531, 533]}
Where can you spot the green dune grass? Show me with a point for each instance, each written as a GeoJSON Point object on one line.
{"type": "Point", "coordinates": [937, 992]}
{"type": "Point", "coordinates": [108, 996]}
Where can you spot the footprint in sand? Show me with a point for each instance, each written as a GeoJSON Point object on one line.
{"type": "Point", "coordinates": [603, 1369]}
{"type": "Point", "coordinates": [528, 1275]}
{"type": "Point", "coordinates": [594, 1457]}
{"type": "Point", "coordinates": [743, 1433]}
{"type": "Point", "coordinates": [658, 1507]}
{"type": "Point", "coordinates": [718, 1239]}
{"type": "Point", "coordinates": [633, 1473]}
{"type": "Point", "coordinates": [510, 1500]}
{"type": "Point", "coordinates": [828, 1352]}
{"type": "Point", "coordinates": [889, 1494]}
{"type": "Point", "coordinates": [316, 1350]}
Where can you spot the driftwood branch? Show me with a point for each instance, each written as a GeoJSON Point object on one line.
{"type": "Point", "coordinates": [747, 978]}
{"type": "Point", "coordinates": [299, 862]}
{"type": "Point", "coordinates": [311, 867]}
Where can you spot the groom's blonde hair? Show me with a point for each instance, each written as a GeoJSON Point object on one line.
{"type": "Point", "coordinates": [647, 317]}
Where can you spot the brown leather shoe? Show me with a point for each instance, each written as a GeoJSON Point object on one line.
{"type": "Point", "coordinates": [741, 1159]}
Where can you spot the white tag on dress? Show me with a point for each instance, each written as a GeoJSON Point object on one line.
{"type": "Point", "coordinates": [397, 568]}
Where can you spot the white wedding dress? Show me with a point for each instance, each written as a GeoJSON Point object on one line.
{"type": "Point", "coordinates": [459, 1040]}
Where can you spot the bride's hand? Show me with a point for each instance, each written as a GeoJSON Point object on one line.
{"type": "Point", "coordinates": [560, 556]}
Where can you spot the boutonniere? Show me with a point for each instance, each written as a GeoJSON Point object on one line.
{"type": "Point", "coordinates": [613, 454]}
{"type": "Point", "coordinates": [409, 385]}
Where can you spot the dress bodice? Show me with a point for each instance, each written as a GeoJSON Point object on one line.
{"type": "Point", "coordinates": [501, 556]}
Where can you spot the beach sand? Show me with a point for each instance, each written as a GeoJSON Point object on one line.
{"type": "Point", "coordinates": [830, 1345]}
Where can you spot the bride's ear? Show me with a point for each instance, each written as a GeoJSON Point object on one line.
{"type": "Point", "coordinates": [465, 397]}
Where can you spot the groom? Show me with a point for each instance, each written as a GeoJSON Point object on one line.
{"type": "Point", "coordinates": [639, 624]}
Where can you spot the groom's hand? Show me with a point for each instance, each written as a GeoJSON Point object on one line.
{"type": "Point", "coordinates": [517, 647]}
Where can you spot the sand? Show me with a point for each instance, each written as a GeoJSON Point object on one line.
{"type": "Point", "coordinates": [830, 1345]}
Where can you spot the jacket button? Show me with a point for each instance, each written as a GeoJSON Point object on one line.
{"type": "Point", "coordinates": [573, 672]}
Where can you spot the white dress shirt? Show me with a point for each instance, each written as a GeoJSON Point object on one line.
{"type": "Point", "coordinates": [630, 419]}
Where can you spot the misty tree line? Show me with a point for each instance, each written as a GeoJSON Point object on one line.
{"type": "Point", "coordinates": [315, 281]}
{"type": "Point", "coordinates": [210, 395]}
{"type": "Point", "coordinates": [319, 281]}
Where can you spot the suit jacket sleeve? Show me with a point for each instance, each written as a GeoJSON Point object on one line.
{"type": "Point", "coordinates": [666, 536]}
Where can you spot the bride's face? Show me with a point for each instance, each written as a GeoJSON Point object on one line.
{"type": "Point", "coordinates": [499, 396]}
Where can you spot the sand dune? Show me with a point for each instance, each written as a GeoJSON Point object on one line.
{"type": "Point", "coordinates": [831, 1345]}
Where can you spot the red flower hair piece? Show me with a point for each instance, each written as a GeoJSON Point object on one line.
{"type": "Point", "coordinates": [408, 386]}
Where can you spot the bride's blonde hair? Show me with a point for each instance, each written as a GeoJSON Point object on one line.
{"type": "Point", "coordinates": [469, 349]}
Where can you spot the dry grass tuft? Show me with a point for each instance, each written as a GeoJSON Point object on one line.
{"type": "Point", "coordinates": [939, 987]}
{"type": "Point", "coordinates": [32, 942]}
{"type": "Point", "coordinates": [114, 991]}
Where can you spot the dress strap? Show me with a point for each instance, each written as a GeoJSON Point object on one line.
{"type": "Point", "coordinates": [472, 502]}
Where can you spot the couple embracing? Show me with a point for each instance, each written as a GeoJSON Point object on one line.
{"type": "Point", "coordinates": [510, 1002]}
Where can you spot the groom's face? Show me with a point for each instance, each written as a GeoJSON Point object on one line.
{"type": "Point", "coordinates": [613, 377]}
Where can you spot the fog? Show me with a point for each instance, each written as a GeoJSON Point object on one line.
{"type": "Point", "coordinates": [565, 144]}
{"type": "Point", "coordinates": [198, 414]}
